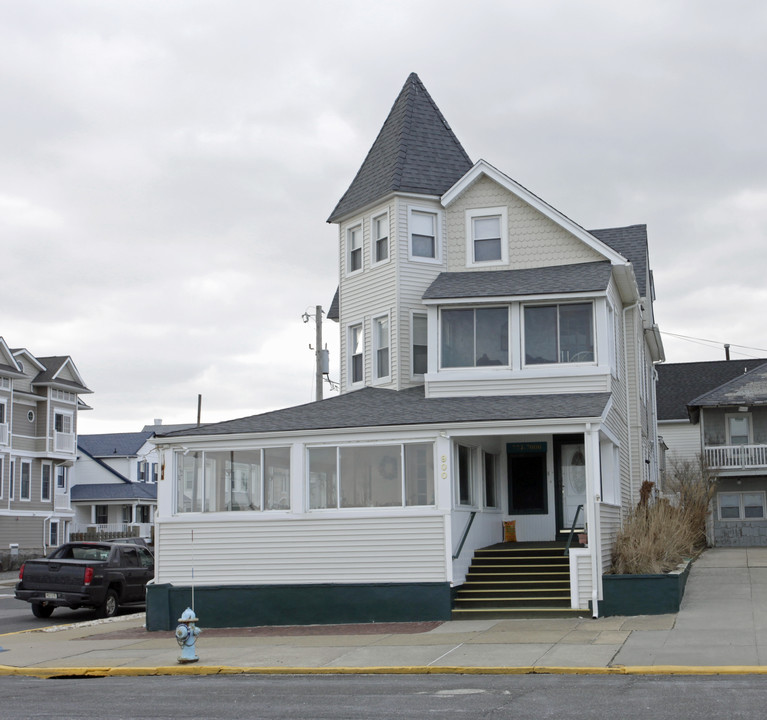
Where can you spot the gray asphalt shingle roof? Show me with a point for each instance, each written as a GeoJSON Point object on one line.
{"type": "Point", "coordinates": [681, 383]}
{"type": "Point", "coordinates": [52, 365]}
{"type": "Point", "coordinates": [378, 407]}
{"type": "Point", "coordinates": [583, 277]}
{"type": "Point", "coordinates": [114, 491]}
{"type": "Point", "coordinates": [415, 151]}
{"type": "Point", "coordinates": [631, 242]}
{"type": "Point", "coordinates": [107, 445]}
{"type": "Point", "coordinates": [747, 389]}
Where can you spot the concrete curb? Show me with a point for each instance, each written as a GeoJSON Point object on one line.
{"type": "Point", "coordinates": [84, 672]}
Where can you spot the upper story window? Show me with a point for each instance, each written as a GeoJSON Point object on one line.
{"type": "Point", "coordinates": [61, 477]}
{"type": "Point", "coordinates": [423, 227]}
{"type": "Point", "coordinates": [559, 333]}
{"type": "Point", "coordinates": [62, 422]}
{"type": "Point", "coordinates": [45, 482]}
{"type": "Point", "coordinates": [354, 248]}
{"type": "Point", "coordinates": [381, 347]}
{"type": "Point", "coordinates": [3, 425]}
{"type": "Point", "coordinates": [475, 337]}
{"type": "Point", "coordinates": [420, 348]}
{"type": "Point", "coordinates": [739, 429]}
{"type": "Point", "coordinates": [356, 357]}
{"type": "Point", "coordinates": [486, 236]}
{"type": "Point", "coordinates": [380, 232]}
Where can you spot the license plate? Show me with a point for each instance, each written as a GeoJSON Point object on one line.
{"type": "Point", "coordinates": [51, 596]}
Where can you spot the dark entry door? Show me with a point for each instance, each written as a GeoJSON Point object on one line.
{"type": "Point", "coordinates": [527, 484]}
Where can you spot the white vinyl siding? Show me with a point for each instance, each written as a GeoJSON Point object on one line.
{"type": "Point", "coordinates": [510, 383]}
{"type": "Point", "coordinates": [295, 552]}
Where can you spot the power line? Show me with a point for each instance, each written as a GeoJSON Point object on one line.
{"type": "Point", "coordinates": [714, 343]}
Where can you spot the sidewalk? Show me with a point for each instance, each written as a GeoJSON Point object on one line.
{"type": "Point", "coordinates": [721, 628]}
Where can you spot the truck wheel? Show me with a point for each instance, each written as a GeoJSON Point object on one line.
{"type": "Point", "coordinates": [109, 607]}
{"type": "Point", "coordinates": [42, 611]}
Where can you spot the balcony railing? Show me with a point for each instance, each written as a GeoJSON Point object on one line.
{"type": "Point", "coordinates": [736, 457]}
{"type": "Point", "coordinates": [103, 530]}
{"type": "Point", "coordinates": [64, 442]}
{"type": "Point", "coordinates": [3, 433]}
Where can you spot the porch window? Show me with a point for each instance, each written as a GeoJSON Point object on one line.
{"type": "Point", "coordinates": [142, 514]}
{"type": "Point", "coordinates": [475, 337]}
{"type": "Point", "coordinates": [465, 475]}
{"type": "Point", "coordinates": [371, 476]}
{"type": "Point", "coordinates": [490, 467]}
{"type": "Point", "coordinates": [127, 514]}
{"type": "Point", "coordinates": [102, 514]}
{"type": "Point", "coordinates": [233, 480]}
{"type": "Point", "coordinates": [559, 333]}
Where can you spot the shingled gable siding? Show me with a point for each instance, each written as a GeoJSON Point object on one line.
{"type": "Point", "coordinates": [305, 551]}
{"type": "Point", "coordinates": [534, 240]}
{"type": "Point", "coordinates": [365, 295]}
{"type": "Point", "coordinates": [413, 279]}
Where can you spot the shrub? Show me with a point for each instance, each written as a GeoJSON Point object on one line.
{"type": "Point", "coordinates": [659, 534]}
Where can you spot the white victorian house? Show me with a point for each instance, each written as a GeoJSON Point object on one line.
{"type": "Point", "coordinates": [497, 368]}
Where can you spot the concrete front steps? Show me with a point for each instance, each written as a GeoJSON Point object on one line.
{"type": "Point", "coordinates": [516, 580]}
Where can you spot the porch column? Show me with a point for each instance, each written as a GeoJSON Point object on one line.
{"type": "Point", "coordinates": [593, 498]}
{"type": "Point", "coordinates": [93, 514]}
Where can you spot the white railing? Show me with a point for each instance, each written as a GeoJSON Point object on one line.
{"type": "Point", "coordinates": [724, 457]}
{"type": "Point", "coordinates": [124, 529]}
{"type": "Point", "coordinates": [3, 433]}
{"type": "Point", "coordinates": [63, 442]}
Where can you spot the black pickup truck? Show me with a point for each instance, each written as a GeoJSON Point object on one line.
{"type": "Point", "coordinates": [97, 575]}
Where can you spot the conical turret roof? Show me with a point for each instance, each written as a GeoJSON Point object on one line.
{"type": "Point", "coordinates": [415, 152]}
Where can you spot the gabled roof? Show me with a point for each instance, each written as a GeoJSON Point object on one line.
{"type": "Point", "coordinates": [415, 152]}
{"type": "Point", "coordinates": [8, 365]}
{"type": "Point", "coordinates": [56, 370]}
{"type": "Point", "coordinates": [113, 491]}
{"type": "Point", "coordinates": [379, 407]}
{"type": "Point", "coordinates": [334, 312]}
{"type": "Point", "coordinates": [578, 278]}
{"type": "Point", "coordinates": [681, 383]}
{"type": "Point", "coordinates": [747, 389]}
{"type": "Point", "coordinates": [108, 445]}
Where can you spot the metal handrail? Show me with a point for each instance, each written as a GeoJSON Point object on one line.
{"type": "Point", "coordinates": [572, 530]}
{"type": "Point", "coordinates": [465, 534]}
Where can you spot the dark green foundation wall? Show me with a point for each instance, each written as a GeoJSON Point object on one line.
{"type": "Point", "coordinates": [250, 606]}
{"type": "Point", "coordinates": [643, 594]}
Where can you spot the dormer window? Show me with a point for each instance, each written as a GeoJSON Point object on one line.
{"type": "Point", "coordinates": [486, 237]}
{"type": "Point", "coordinates": [380, 231]}
{"type": "Point", "coordinates": [354, 244]}
{"type": "Point", "coordinates": [423, 235]}
{"type": "Point", "coordinates": [559, 333]}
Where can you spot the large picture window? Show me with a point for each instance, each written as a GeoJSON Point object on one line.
{"type": "Point", "coordinates": [371, 476]}
{"type": "Point", "coordinates": [559, 333]}
{"type": "Point", "coordinates": [233, 480]}
{"type": "Point", "coordinates": [475, 337]}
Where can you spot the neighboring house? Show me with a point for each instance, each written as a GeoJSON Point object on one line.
{"type": "Point", "coordinates": [496, 366]}
{"type": "Point", "coordinates": [678, 385]}
{"type": "Point", "coordinates": [730, 423]}
{"type": "Point", "coordinates": [39, 404]}
{"type": "Point", "coordinates": [116, 486]}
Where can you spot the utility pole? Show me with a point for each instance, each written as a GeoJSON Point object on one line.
{"type": "Point", "coordinates": [318, 352]}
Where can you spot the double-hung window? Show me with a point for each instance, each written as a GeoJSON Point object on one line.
{"type": "Point", "coordinates": [487, 236]}
{"type": "Point", "coordinates": [26, 480]}
{"type": "Point", "coordinates": [4, 436]}
{"type": "Point", "coordinates": [475, 337]}
{"type": "Point", "coordinates": [559, 333]}
{"type": "Point", "coordinates": [423, 235]}
{"type": "Point", "coordinates": [381, 347]}
{"type": "Point", "coordinates": [356, 357]}
{"type": "Point", "coordinates": [354, 243]}
{"type": "Point", "coordinates": [45, 482]}
{"type": "Point", "coordinates": [738, 429]}
{"type": "Point", "coordinates": [419, 344]}
{"type": "Point", "coordinates": [379, 226]}
{"type": "Point", "coordinates": [61, 477]}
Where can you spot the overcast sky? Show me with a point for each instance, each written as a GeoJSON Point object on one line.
{"type": "Point", "coordinates": [167, 168]}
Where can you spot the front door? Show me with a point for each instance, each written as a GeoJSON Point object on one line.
{"type": "Point", "coordinates": [571, 481]}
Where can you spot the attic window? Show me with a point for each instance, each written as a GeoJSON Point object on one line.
{"type": "Point", "coordinates": [486, 237]}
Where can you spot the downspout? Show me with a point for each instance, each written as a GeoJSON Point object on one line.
{"type": "Point", "coordinates": [628, 405]}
